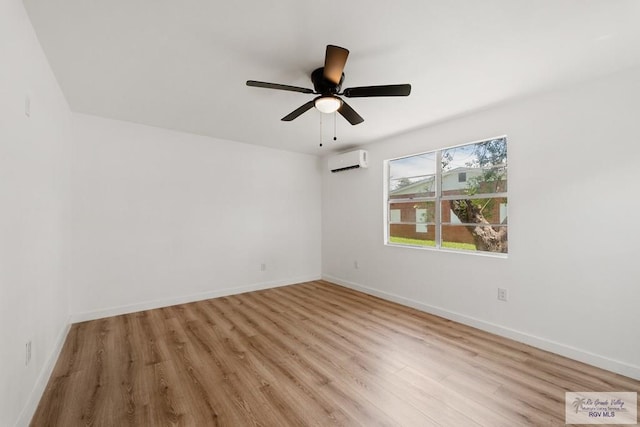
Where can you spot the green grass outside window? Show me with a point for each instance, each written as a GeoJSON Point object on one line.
{"type": "Point", "coordinates": [432, 243]}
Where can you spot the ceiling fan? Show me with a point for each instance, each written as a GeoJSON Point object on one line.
{"type": "Point", "coordinates": [327, 83]}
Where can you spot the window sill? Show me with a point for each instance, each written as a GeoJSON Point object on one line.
{"type": "Point", "coordinates": [434, 249]}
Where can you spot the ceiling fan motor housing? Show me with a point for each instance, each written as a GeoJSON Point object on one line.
{"type": "Point", "coordinates": [324, 86]}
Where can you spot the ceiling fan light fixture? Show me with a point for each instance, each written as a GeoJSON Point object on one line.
{"type": "Point", "coordinates": [328, 104]}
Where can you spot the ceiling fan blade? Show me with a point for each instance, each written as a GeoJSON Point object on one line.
{"type": "Point", "coordinates": [350, 114]}
{"type": "Point", "coordinates": [298, 111]}
{"type": "Point", "coordinates": [385, 90]}
{"type": "Point", "coordinates": [334, 62]}
{"type": "Point", "coordinates": [278, 86]}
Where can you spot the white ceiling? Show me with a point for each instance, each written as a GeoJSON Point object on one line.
{"type": "Point", "coordinates": [183, 64]}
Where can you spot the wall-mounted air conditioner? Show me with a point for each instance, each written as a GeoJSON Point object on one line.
{"type": "Point", "coordinates": [345, 161]}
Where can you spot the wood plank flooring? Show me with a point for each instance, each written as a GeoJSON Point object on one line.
{"type": "Point", "coordinates": [313, 354]}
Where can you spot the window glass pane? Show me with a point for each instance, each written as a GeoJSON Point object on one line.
{"type": "Point", "coordinates": [414, 223]}
{"type": "Point", "coordinates": [462, 237]}
{"type": "Point", "coordinates": [412, 176]}
{"type": "Point", "coordinates": [478, 181]}
{"type": "Point", "coordinates": [412, 212]}
{"type": "Point", "coordinates": [472, 211]}
{"type": "Point", "coordinates": [418, 165]}
{"type": "Point", "coordinates": [483, 166]}
{"type": "Point", "coordinates": [409, 188]}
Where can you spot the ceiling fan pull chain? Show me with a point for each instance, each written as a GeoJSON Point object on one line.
{"type": "Point", "coordinates": [320, 130]}
{"type": "Point", "coordinates": [335, 114]}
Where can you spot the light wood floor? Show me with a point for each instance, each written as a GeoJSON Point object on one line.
{"type": "Point", "coordinates": [308, 354]}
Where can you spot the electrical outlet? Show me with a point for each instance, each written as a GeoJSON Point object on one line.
{"type": "Point", "coordinates": [27, 358]}
{"type": "Point", "coordinates": [502, 294]}
{"type": "Point", "coordinates": [263, 267]}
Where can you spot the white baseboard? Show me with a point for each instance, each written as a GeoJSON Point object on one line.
{"type": "Point", "coordinates": [166, 302]}
{"type": "Point", "coordinates": [622, 368]}
{"type": "Point", "coordinates": [41, 383]}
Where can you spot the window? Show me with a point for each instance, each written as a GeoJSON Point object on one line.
{"type": "Point", "coordinates": [421, 220]}
{"type": "Point", "coordinates": [454, 198]}
{"type": "Point", "coordinates": [394, 215]}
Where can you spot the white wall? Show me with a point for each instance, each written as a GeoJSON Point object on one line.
{"type": "Point", "coordinates": [34, 198]}
{"type": "Point", "coordinates": [161, 217]}
{"type": "Point", "coordinates": [572, 274]}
